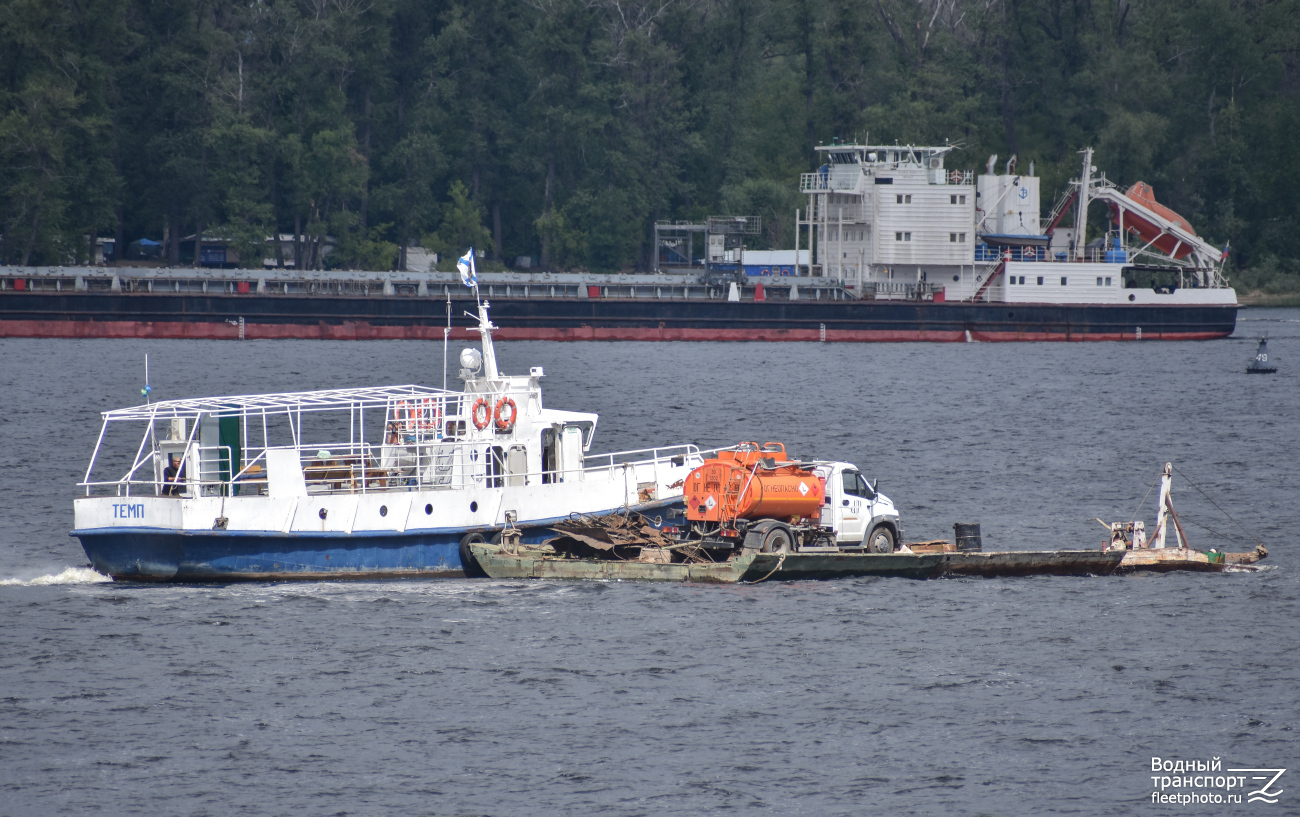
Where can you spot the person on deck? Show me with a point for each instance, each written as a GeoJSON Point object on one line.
{"type": "Point", "coordinates": [173, 476]}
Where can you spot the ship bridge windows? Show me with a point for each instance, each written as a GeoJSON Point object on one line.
{"type": "Point", "coordinates": [901, 236]}
{"type": "Point", "coordinates": [956, 199]}
{"type": "Point", "coordinates": [902, 198]}
{"type": "Point", "coordinates": [957, 238]}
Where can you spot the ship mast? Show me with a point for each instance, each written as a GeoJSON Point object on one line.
{"type": "Point", "coordinates": [1081, 206]}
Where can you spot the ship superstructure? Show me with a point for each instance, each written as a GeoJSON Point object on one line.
{"type": "Point", "coordinates": [893, 222]}
{"type": "Point", "coordinates": [891, 216]}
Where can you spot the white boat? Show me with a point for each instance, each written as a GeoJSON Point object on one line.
{"type": "Point", "coordinates": [391, 481]}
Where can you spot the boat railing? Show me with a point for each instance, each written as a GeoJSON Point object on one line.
{"type": "Point", "coordinates": [829, 182]}
{"type": "Point", "coordinates": [351, 468]}
{"type": "Point", "coordinates": [1107, 255]}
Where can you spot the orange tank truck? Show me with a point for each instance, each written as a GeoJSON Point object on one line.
{"type": "Point", "coordinates": [1142, 193]}
{"type": "Point", "coordinates": [753, 482]}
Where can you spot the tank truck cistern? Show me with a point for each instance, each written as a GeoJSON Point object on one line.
{"type": "Point", "coordinates": [755, 498]}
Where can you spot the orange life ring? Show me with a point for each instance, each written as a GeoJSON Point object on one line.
{"type": "Point", "coordinates": [430, 414]}
{"type": "Point", "coordinates": [405, 416]}
{"type": "Point", "coordinates": [506, 422]}
{"type": "Point", "coordinates": [481, 403]}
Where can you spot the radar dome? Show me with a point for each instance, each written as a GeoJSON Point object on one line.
{"type": "Point", "coordinates": [471, 358]}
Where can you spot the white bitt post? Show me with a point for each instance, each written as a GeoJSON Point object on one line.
{"type": "Point", "coordinates": [733, 292]}
{"type": "Point", "coordinates": [1162, 507]}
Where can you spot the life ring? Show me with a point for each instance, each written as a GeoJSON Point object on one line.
{"type": "Point", "coordinates": [405, 416]}
{"type": "Point", "coordinates": [481, 403]}
{"type": "Point", "coordinates": [505, 421]}
{"type": "Point", "coordinates": [955, 176]}
{"type": "Point", "coordinates": [430, 414]}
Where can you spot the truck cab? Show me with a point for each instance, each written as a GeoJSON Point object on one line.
{"type": "Point", "coordinates": [861, 517]}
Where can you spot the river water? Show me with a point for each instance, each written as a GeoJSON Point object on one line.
{"type": "Point", "coordinates": [885, 696]}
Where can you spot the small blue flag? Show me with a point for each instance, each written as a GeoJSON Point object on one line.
{"type": "Point", "coordinates": [468, 275]}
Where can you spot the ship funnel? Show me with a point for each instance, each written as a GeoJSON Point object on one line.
{"type": "Point", "coordinates": [992, 161]}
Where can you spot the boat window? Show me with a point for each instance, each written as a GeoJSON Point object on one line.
{"type": "Point", "coordinates": [1040, 280]}
{"type": "Point", "coordinates": [588, 431]}
{"type": "Point", "coordinates": [549, 456]}
{"type": "Point", "coordinates": [1107, 282]}
{"type": "Point", "coordinates": [496, 467]}
{"type": "Point", "coordinates": [1063, 281]}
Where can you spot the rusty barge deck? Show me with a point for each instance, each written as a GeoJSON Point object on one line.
{"type": "Point", "coordinates": [530, 562]}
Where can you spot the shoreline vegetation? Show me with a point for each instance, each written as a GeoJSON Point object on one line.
{"type": "Point", "coordinates": [1251, 299]}
{"type": "Point", "coordinates": [561, 131]}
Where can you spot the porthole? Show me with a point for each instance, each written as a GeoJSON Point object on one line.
{"type": "Point", "coordinates": [473, 507]}
{"type": "Point", "coordinates": [323, 513]}
{"type": "Point", "coordinates": [383, 510]}
{"type": "Point", "coordinates": [956, 278]}
{"type": "Point", "coordinates": [428, 510]}
{"type": "Point", "coordinates": [1132, 297]}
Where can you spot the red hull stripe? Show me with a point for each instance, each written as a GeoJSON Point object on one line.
{"type": "Point", "coordinates": [360, 330]}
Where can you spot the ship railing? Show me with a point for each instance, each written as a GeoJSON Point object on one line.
{"type": "Point", "coordinates": [899, 290]}
{"type": "Point", "coordinates": [359, 468]}
{"type": "Point", "coordinates": [1106, 255]}
{"type": "Point", "coordinates": [829, 183]}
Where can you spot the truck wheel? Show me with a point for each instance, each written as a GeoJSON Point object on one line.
{"type": "Point", "coordinates": [778, 540]}
{"type": "Point", "coordinates": [880, 540]}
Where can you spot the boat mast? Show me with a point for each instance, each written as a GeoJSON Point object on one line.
{"type": "Point", "coordinates": [446, 335]}
{"type": "Point", "coordinates": [1081, 206]}
{"type": "Point", "coordinates": [485, 328]}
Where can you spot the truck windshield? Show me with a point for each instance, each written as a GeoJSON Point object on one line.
{"type": "Point", "coordinates": [856, 485]}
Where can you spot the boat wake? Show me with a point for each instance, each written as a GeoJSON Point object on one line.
{"type": "Point", "coordinates": [70, 575]}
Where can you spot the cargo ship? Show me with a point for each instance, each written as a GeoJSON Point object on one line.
{"type": "Point", "coordinates": [891, 247]}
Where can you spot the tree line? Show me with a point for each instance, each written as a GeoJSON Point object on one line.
{"type": "Point", "coordinates": [563, 129]}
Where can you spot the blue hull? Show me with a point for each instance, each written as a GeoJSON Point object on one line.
{"type": "Point", "coordinates": [150, 554]}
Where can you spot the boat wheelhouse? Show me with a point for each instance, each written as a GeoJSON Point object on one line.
{"type": "Point", "coordinates": [368, 482]}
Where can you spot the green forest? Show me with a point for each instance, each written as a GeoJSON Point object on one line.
{"type": "Point", "coordinates": [563, 129]}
